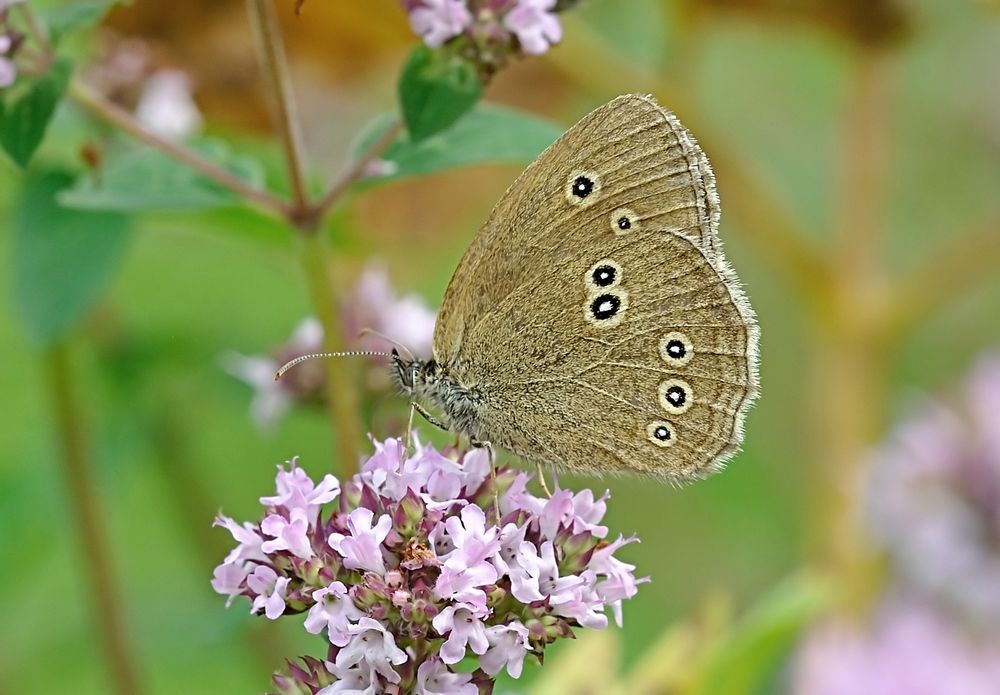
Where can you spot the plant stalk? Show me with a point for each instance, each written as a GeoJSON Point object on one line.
{"type": "Point", "coordinates": [107, 597]}
{"type": "Point", "coordinates": [110, 112]}
{"type": "Point", "coordinates": [341, 381]}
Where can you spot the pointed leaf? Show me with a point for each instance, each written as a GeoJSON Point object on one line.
{"type": "Point", "coordinates": [25, 118]}
{"type": "Point", "coordinates": [62, 259]}
{"type": "Point", "coordinates": [436, 89]}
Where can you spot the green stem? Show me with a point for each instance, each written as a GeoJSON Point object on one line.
{"type": "Point", "coordinates": [97, 557]}
{"type": "Point", "coordinates": [341, 385]}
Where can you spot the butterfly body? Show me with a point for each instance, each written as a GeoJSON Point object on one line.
{"type": "Point", "coordinates": [594, 324]}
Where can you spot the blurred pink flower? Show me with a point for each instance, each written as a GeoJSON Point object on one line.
{"type": "Point", "coordinates": [375, 305]}
{"type": "Point", "coordinates": [8, 71]}
{"type": "Point", "coordinates": [272, 398]}
{"type": "Point", "coordinates": [535, 24]}
{"type": "Point", "coordinates": [439, 20]}
{"type": "Point", "coordinates": [166, 106]}
{"type": "Point", "coordinates": [907, 650]}
{"type": "Point", "coordinates": [934, 499]}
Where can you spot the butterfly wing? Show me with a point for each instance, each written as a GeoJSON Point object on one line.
{"type": "Point", "coordinates": [562, 381]}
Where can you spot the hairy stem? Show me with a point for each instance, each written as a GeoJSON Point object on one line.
{"type": "Point", "coordinates": [93, 541]}
{"type": "Point", "coordinates": [110, 112]}
{"type": "Point", "coordinates": [341, 382]}
{"type": "Point", "coordinates": [271, 51]}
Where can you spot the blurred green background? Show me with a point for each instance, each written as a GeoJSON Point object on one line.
{"type": "Point", "coordinates": [874, 127]}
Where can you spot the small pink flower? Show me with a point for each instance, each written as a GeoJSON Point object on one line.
{"type": "Point", "coordinates": [434, 678]}
{"type": "Point", "coordinates": [538, 577]}
{"type": "Point", "coordinates": [288, 534]}
{"type": "Point", "coordinates": [473, 543]}
{"type": "Point", "coordinates": [508, 647]}
{"type": "Point", "coordinates": [246, 536]}
{"type": "Point", "coordinates": [363, 548]}
{"type": "Point", "coordinates": [228, 579]}
{"type": "Point", "coordinates": [335, 612]}
{"type": "Point", "coordinates": [372, 644]}
{"type": "Point", "coordinates": [270, 589]}
{"type": "Point", "coordinates": [535, 25]}
{"type": "Point", "coordinates": [436, 21]}
{"type": "Point", "coordinates": [296, 490]}
{"type": "Point", "coordinates": [463, 625]}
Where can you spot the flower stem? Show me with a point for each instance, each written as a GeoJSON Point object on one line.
{"type": "Point", "coordinates": [97, 556]}
{"type": "Point", "coordinates": [108, 111]}
{"type": "Point", "coordinates": [275, 65]}
{"type": "Point", "coordinates": [341, 387]}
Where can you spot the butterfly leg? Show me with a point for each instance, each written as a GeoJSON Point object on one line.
{"type": "Point", "coordinates": [493, 474]}
{"type": "Point", "coordinates": [427, 416]}
{"type": "Point", "coordinates": [541, 479]}
{"type": "Point", "coordinates": [409, 428]}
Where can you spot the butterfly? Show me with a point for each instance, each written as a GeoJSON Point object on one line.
{"type": "Point", "coordinates": [594, 324]}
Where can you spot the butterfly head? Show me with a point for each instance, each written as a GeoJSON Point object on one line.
{"type": "Point", "coordinates": [413, 375]}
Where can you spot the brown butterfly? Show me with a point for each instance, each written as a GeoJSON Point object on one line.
{"type": "Point", "coordinates": [594, 323]}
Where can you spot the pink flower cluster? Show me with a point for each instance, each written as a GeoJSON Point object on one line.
{"type": "Point", "coordinates": [490, 29]}
{"type": "Point", "coordinates": [407, 571]}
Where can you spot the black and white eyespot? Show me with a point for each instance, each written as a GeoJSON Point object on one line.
{"type": "Point", "coordinates": [623, 221]}
{"type": "Point", "coordinates": [675, 396]}
{"type": "Point", "coordinates": [603, 274]}
{"type": "Point", "coordinates": [676, 349]}
{"type": "Point", "coordinates": [583, 188]}
{"type": "Point", "coordinates": [661, 433]}
{"type": "Point", "coordinates": [606, 308]}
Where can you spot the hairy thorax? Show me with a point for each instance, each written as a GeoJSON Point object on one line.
{"type": "Point", "coordinates": [431, 384]}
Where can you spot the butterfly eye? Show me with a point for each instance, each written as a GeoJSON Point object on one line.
{"type": "Point", "coordinates": [624, 220]}
{"type": "Point", "coordinates": [676, 349]}
{"type": "Point", "coordinates": [582, 188]}
{"type": "Point", "coordinates": [604, 273]}
{"type": "Point", "coordinates": [675, 396]}
{"type": "Point", "coordinates": [661, 433]}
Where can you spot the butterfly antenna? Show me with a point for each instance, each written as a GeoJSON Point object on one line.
{"type": "Point", "coordinates": [383, 336]}
{"type": "Point", "coordinates": [355, 353]}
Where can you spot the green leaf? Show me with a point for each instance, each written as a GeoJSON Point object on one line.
{"type": "Point", "coordinates": [76, 16]}
{"type": "Point", "coordinates": [62, 259]}
{"type": "Point", "coordinates": [144, 179]}
{"type": "Point", "coordinates": [435, 90]}
{"type": "Point", "coordinates": [747, 656]}
{"type": "Point", "coordinates": [488, 135]}
{"type": "Point", "coordinates": [25, 118]}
